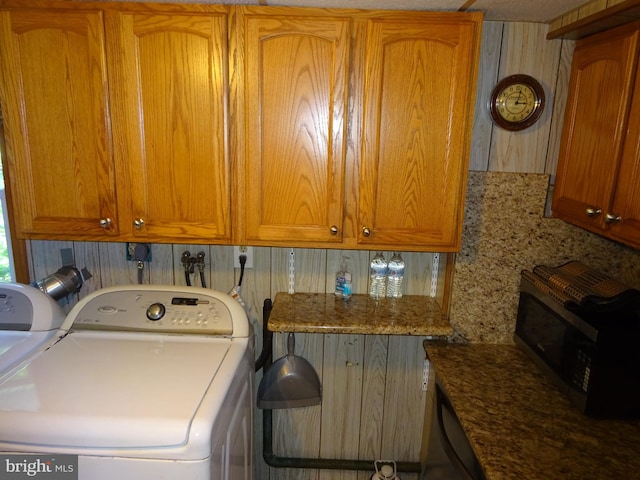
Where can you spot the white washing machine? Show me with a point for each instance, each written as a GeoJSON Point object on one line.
{"type": "Point", "coordinates": [29, 321]}
{"type": "Point", "coordinates": [152, 382]}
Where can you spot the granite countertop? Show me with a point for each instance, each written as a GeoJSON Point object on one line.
{"type": "Point", "coordinates": [326, 313]}
{"type": "Point", "coordinates": [522, 427]}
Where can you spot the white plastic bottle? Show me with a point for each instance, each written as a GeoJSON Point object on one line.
{"type": "Point", "coordinates": [378, 276]}
{"type": "Point", "coordinates": [385, 470]}
{"type": "Point", "coordinates": [396, 275]}
{"type": "Point", "coordinates": [343, 279]}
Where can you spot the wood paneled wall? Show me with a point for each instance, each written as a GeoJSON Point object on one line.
{"type": "Point", "coordinates": [373, 403]}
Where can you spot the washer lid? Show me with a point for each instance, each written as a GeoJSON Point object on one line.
{"type": "Point", "coordinates": [110, 390]}
{"type": "Point", "coordinates": [16, 347]}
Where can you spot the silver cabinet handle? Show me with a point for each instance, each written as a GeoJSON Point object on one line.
{"type": "Point", "coordinates": [333, 230]}
{"type": "Point", "coordinates": [611, 218]}
{"type": "Point", "coordinates": [105, 222]}
{"type": "Point", "coordinates": [366, 232]}
{"type": "Point", "coordinates": [138, 223]}
{"type": "Point", "coordinates": [593, 211]}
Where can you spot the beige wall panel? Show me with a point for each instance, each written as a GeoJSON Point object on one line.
{"type": "Point", "coordinates": [341, 401]}
{"type": "Point", "coordinates": [45, 257]}
{"type": "Point", "coordinates": [525, 50]}
{"type": "Point", "coordinates": [560, 101]}
{"type": "Point", "coordinates": [417, 273]}
{"type": "Point", "coordinates": [487, 76]}
{"type": "Point", "coordinates": [404, 399]}
{"type": "Point", "coordinates": [161, 268]}
{"type": "Point", "coordinates": [373, 394]}
{"type": "Point", "coordinates": [115, 269]}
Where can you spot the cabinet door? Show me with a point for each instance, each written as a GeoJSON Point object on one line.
{"type": "Point", "coordinates": [168, 81]}
{"type": "Point", "coordinates": [292, 99]}
{"type": "Point", "coordinates": [419, 99]}
{"type": "Point", "coordinates": [594, 129]}
{"type": "Point", "coordinates": [624, 214]}
{"type": "Point", "coordinates": [54, 99]}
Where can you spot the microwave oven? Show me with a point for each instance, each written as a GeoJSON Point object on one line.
{"type": "Point", "coordinates": [592, 355]}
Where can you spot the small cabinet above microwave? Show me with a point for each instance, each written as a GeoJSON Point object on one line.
{"type": "Point", "coordinates": [598, 177]}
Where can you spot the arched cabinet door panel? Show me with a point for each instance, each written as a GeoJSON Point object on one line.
{"type": "Point", "coordinates": [55, 109]}
{"type": "Point", "coordinates": [168, 81]}
{"type": "Point", "coordinates": [420, 76]}
{"type": "Point", "coordinates": [293, 82]}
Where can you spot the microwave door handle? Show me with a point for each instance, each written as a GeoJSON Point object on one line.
{"type": "Point", "coordinates": [443, 402]}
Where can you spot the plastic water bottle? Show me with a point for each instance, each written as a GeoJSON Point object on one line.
{"type": "Point", "coordinates": [378, 276]}
{"type": "Point", "coordinates": [343, 279]}
{"type": "Point", "coordinates": [396, 275]}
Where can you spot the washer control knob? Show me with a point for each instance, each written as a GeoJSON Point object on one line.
{"type": "Point", "coordinates": [155, 312]}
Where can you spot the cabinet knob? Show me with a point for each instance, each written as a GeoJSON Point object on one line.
{"type": "Point", "coordinates": [105, 222]}
{"type": "Point", "coordinates": [593, 211]}
{"type": "Point", "coordinates": [138, 223]}
{"type": "Point", "coordinates": [333, 230]}
{"type": "Point", "coordinates": [366, 232]}
{"type": "Point", "coordinates": [611, 218]}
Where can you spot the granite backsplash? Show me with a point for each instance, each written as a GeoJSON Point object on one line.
{"type": "Point", "coordinates": [505, 232]}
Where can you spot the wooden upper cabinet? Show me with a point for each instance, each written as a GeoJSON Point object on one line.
{"type": "Point", "coordinates": [53, 90]}
{"type": "Point", "coordinates": [596, 115]}
{"type": "Point", "coordinates": [419, 97]}
{"type": "Point", "coordinates": [625, 209]}
{"type": "Point", "coordinates": [597, 183]}
{"type": "Point", "coordinates": [397, 175]}
{"type": "Point", "coordinates": [293, 68]}
{"type": "Point", "coordinates": [168, 82]}
{"type": "Point", "coordinates": [344, 128]}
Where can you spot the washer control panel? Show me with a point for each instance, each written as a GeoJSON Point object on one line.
{"type": "Point", "coordinates": [159, 311]}
{"type": "Point", "coordinates": [23, 308]}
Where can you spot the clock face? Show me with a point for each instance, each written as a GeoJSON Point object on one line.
{"type": "Point", "coordinates": [516, 102]}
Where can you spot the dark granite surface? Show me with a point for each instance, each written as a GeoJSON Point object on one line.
{"type": "Point", "coordinates": [326, 313]}
{"type": "Point", "coordinates": [522, 427]}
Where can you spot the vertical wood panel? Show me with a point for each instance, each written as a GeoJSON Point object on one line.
{"type": "Point", "coordinates": [161, 268]}
{"type": "Point", "coordinates": [341, 402]}
{"type": "Point", "coordinates": [45, 257]}
{"type": "Point", "coordinates": [526, 50]}
{"type": "Point", "coordinates": [114, 267]}
{"type": "Point", "coordinates": [560, 101]}
{"type": "Point", "coordinates": [417, 273]}
{"type": "Point", "coordinates": [487, 77]}
{"type": "Point", "coordinates": [404, 399]}
{"type": "Point", "coordinates": [373, 393]}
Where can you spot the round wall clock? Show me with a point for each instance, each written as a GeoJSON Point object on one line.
{"type": "Point", "coordinates": [516, 102]}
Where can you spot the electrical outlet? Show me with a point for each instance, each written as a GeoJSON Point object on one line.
{"type": "Point", "coordinates": [242, 250]}
{"type": "Point", "coordinates": [131, 252]}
